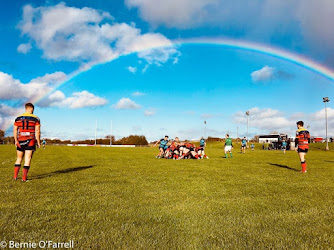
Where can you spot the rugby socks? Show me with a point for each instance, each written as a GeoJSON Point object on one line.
{"type": "Point", "coordinates": [231, 155]}
{"type": "Point", "coordinates": [25, 172]}
{"type": "Point", "coordinates": [16, 170]}
{"type": "Point", "coordinates": [226, 156]}
{"type": "Point", "coordinates": [303, 166]}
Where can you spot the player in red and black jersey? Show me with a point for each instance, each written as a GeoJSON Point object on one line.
{"type": "Point", "coordinates": [26, 135]}
{"type": "Point", "coordinates": [302, 143]}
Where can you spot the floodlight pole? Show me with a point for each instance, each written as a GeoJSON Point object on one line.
{"type": "Point", "coordinates": [110, 132]}
{"type": "Point", "coordinates": [325, 100]}
{"type": "Point", "coordinates": [205, 129]}
{"type": "Point", "coordinates": [247, 114]}
{"type": "Point", "coordinates": [95, 131]}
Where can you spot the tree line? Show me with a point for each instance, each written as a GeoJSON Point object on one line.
{"type": "Point", "coordinates": [139, 140]}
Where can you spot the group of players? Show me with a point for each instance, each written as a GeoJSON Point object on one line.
{"type": "Point", "coordinates": [176, 150]}
{"type": "Point", "coordinates": [27, 136]}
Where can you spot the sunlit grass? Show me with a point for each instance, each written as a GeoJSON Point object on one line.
{"type": "Point", "coordinates": [125, 198]}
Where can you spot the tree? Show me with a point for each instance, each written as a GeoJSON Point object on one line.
{"type": "Point", "coordinates": [133, 140]}
{"type": "Point", "coordinates": [2, 134]}
{"type": "Point", "coordinates": [256, 138]}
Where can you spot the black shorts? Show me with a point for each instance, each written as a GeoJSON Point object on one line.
{"type": "Point", "coordinates": [243, 146]}
{"type": "Point", "coordinates": [300, 150]}
{"type": "Point", "coordinates": [26, 145]}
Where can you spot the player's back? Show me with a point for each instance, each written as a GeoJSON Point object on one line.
{"type": "Point", "coordinates": [303, 137]}
{"type": "Point", "coordinates": [26, 124]}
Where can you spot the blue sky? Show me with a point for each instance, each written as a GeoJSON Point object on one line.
{"type": "Point", "coordinates": [87, 61]}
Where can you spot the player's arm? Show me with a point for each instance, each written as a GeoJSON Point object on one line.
{"type": "Point", "coordinates": [15, 134]}
{"type": "Point", "coordinates": [38, 134]}
{"type": "Point", "coordinates": [296, 141]}
{"type": "Point", "coordinates": [157, 143]}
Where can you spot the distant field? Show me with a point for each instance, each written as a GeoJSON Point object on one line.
{"type": "Point", "coordinates": [125, 198]}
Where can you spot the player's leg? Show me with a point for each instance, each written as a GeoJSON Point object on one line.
{"type": "Point", "coordinates": [302, 161]}
{"type": "Point", "coordinates": [193, 154]}
{"type": "Point", "coordinates": [204, 155]}
{"type": "Point", "coordinates": [19, 158]}
{"type": "Point", "coordinates": [225, 150]}
{"type": "Point", "coordinates": [161, 151]}
{"type": "Point", "coordinates": [27, 160]}
{"type": "Point", "coordinates": [231, 152]}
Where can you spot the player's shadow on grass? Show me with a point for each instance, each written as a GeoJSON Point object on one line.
{"type": "Point", "coordinates": [328, 161]}
{"type": "Point", "coordinates": [63, 171]}
{"type": "Point", "coordinates": [283, 166]}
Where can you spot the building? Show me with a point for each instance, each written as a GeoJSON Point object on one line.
{"type": "Point", "coordinates": [272, 138]}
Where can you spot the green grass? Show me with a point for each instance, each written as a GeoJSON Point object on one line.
{"type": "Point", "coordinates": [125, 198]}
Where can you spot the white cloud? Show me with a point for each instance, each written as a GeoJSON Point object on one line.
{"type": "Point", "coordinates": [172, 13]}
{"type": "Point", "coordinates": [80, 100]}
{"type": "Point", "coordinates": [265, 74]}
{"type": "Point", "coordinates": [7, 115]}
{"type": "Point", "coordinates": [12, 88]}
{"type": "Point", "coordinates": [24, 48]}
{"type": "Point", "coordinates": [126, 103]}
{"type": "Point", "coordinates": [150, 112]}
{"type": "Point", "coordinates": [132, 69]}
{"type": "Point", "coordinates": [84, 35]}
{"type": "Point", "coordinates": [269, 120]}
{"type": "Point", "coordinates": [8, 111]}
{"type": "Point", "coordinates": [77, 100]}
{"type": "Point", "coordinates": [265, 119]}
{"type": "Point", "coordinates": [145, 68]}
{"type": "Point", "coordinates": [138, 93]}
{"type": "Point", "coordinates": [316, 121]}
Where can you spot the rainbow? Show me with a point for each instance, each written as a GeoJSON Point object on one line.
{"type": "Point", "coordinates": [278, 53]}
{"type": "Point", "coordinates": [285, 55]}
{"type": "Point", "coordinates": [281, 54]}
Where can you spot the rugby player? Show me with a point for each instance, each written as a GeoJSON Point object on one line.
{"type": "Point", "coordinates": [252, 146]}
{"type": "Point", "coordinates": [189, 151]}
{"type": "Point", "coordinates": [284, 146]}
{"type": "Point", "coordinates": [44, 142]}
{"type": "Point", "coordinates": [201, 148]}
{"type": "Point", "coordinates": [175, 148]}
{"type": "Point", "coordinates": [26, 134]}
{"type": "Point", "coordinates": [243, 145]}
{"type": "Point", "coordinates": [228, 146]}
{"type": "Point", "coordinates": [163, 145]}
{"type": "Point", "coordinates": [302, 144]}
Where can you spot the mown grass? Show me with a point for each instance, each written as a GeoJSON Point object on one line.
{"type": "Point", "coordinates": [104, 198]}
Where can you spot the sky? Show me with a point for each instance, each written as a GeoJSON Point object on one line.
{"type": "Point", "coordinates": [156, 68]}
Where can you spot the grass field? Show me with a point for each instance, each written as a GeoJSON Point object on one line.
{"type": "Point", "coordinates": [104, 198]}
